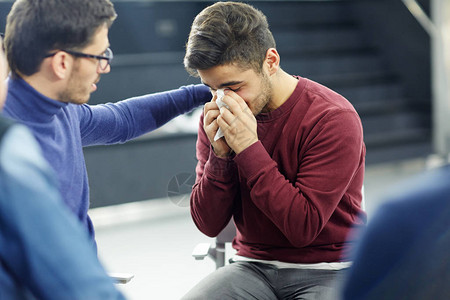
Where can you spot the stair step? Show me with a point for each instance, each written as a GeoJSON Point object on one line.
{"type": "Point", "coordinates": [388, 90]}
{"type": "Point", "coordinates": [391, 122]}
{"type": "Point", "coordinates": [390, 153]}
{"type": "Point", "coordinates": [380, 106]}
{"type": "Point", "coordinates": [315, 39]}
{"type": "Point", "coordinates": [397, 137]}
{"type": "Point", "coordinates": [335, 63]}
{"type": "Point", "coordinates": [365, 106]}
{"type": "Point", "coordinates": [354, 79]}
{"type": "Point", "coordinates": [304, 12]}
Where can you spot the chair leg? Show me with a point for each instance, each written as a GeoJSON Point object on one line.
{"type": "Point", "coordinates": [220, 255]}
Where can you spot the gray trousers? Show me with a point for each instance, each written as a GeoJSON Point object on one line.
{"type": "Point", "coordinates": [251, 280]}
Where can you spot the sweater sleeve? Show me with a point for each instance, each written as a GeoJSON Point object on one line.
{"type": "Point", "coordinates": [302, 208]}
{"type": "Point", "coordinates": [119, 122]}
{"type": "Point", "coordinates": [43, 247]}
{"type": "Point", "coordinates": [215, 189]}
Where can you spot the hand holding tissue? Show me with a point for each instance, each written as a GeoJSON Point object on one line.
{"type": "Point", "coordinates": [220, 104]}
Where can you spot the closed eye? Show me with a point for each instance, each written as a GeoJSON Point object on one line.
{"type": "Point", "coordinates": [234, 90]}
{"type": "Point", "coordinates": [228, 88]}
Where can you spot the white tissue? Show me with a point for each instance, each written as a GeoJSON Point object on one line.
{"type": "Point", "coordinates": [220, 103]}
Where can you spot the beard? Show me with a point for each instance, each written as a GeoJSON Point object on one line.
{"type": "Point", "coordinates": [262, 100]}
{"type": "Point", "coordinates": [77, 90]}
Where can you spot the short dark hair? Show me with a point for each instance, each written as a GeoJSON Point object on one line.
{"type": "Point", "coordinates": [228, 33]}
{"type": "Point", "coordinates": [35, 27]}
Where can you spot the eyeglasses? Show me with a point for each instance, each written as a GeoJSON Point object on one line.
{"type": "Point", "coordinates": [103, 60]}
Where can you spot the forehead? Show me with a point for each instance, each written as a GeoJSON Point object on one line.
{"type": "Point", "coordinates": [225, 75]}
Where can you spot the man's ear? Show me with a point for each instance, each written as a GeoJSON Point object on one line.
{"type": "Point", "coordinates": [61, 64]}
{"type": "Point", "coordinates": [272, 61]}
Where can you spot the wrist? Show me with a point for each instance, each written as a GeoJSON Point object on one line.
{"type": "Point", "coordinates": [222, 154]}
{"type": "Point", "coordinates": [243, 147]}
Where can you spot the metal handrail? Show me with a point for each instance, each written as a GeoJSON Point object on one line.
{"type": "Point", "coordinates": [417, 11]}
{"type": "Point", "coordinates": [440, 68]}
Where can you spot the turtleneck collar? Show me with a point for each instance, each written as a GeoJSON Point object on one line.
{"type": "Point", "coordinates": [31, 105]}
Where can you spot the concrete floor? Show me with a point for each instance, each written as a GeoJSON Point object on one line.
{"type": "Point", "coordinates": [154, 239]}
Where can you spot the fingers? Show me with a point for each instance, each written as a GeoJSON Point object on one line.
{"type": "Point", "coordinates": [210, 119]}
{"type": "Point", "coordinates": [210, 115]}
{"type": "Point", "coordinates": [234, 101]}
{"type": "Point", "coordinates": [236, 108]}
{"type": "Point", "coordinates": [210, 112]}
{"type": "Point", "coordinates": [237, 123]}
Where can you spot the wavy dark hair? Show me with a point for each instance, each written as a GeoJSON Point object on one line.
{"type": "Point", "coordinates": [35, 27]}
{"type": "Point", "coordinates": [228, 33]}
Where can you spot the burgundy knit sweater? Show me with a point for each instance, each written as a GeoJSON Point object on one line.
{"type": "Point", "coordinates": [295, 194]}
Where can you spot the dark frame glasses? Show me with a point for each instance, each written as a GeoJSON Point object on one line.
{"type": "Point", "coordinates": [104, 60]}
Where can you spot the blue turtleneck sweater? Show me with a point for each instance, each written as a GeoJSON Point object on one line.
{"type": "Point", "coordinates": [63, 129]}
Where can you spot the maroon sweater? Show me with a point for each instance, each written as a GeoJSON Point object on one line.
{"type": "Point", "coordinates": [295, 194]}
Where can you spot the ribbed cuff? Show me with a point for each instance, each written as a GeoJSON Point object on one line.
{"type": "Point", "coordinates": [220, 169]}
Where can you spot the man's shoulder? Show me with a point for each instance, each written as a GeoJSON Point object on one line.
{"type": "Point", "coordinates": [320, 105]}
{"type": "Point", "coordinates": [322, 97]}
{"type": "Point", "coordinates": [20, 154]}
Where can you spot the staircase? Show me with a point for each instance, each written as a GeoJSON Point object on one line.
{"type": "Point", "coordinates": [323, 41]}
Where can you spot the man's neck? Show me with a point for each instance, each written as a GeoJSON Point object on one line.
{"type": "Point", "coordinates": [283, 85]}
{"type": "Point", "coordinates": [43, 84]}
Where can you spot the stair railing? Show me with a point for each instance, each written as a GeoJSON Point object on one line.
{"type": "Point", "coordinates": [438, 27]}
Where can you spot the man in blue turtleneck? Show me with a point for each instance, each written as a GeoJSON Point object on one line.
{"type": "Point", "coordinates": [57, 51]}
{"type": "Point", "coordinates": [45, 253]}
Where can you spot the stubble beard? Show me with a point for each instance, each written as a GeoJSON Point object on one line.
{"type": "Point", "coordinates": [75, 92]}
{"type": "Point", "coordinates": [264, 98]}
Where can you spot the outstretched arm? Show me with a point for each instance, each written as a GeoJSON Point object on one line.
{"type": "Point", "coordinates": [119, 122]}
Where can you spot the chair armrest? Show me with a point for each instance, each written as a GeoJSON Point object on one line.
{"type": "Point", "coordinates": [121, 278]}
{"type": "Point", "coordinates": [201, 251]}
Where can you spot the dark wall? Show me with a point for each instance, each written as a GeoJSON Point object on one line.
{"type": "Point", "coordinates": [146, 27]}
{"type": "Point", "coordinates": [148, 40]}
{"type": "Point", "coordinates": [5, 7]}
{"type": "Point", "coordinates": [404, 43]}
{"type": "Point", "coordinates": [139, 170]}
